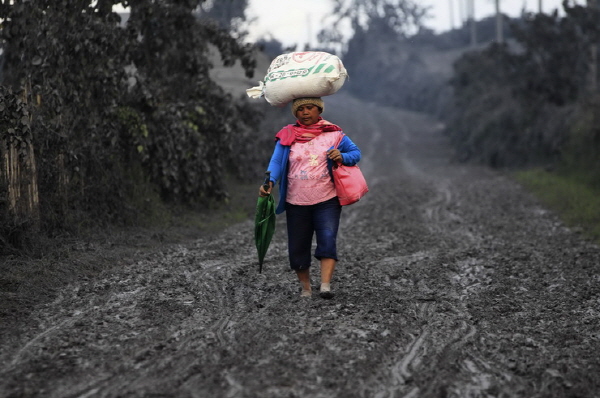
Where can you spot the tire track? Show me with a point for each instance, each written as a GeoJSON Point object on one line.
{"type": "Point", "coordinates": [438, 265]}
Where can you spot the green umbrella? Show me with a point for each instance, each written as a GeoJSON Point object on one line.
{"type": "Point", "coordinates": [264, 222]}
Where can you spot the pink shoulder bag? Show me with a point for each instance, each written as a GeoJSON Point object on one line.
{"type": "Point", "coordinates": [350, 184]}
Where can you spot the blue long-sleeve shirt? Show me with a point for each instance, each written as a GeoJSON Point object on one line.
{"type": "Point", "coordinates": [278, 166]}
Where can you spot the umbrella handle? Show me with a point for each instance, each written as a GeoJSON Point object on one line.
{"type": "Point", "coordinates": [266, 184]}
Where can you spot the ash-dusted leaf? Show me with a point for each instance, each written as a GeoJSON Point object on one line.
{"type": "Point", "coordinates": [36, 61]}
{"type": "Point", "coordinates": [553, 372]}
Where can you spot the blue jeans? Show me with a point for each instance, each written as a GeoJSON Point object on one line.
{"type": "Point", "coordinates": [302, 223]}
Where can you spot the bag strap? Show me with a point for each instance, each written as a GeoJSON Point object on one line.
{"type": "Point", "coordinates": [337, 164]}
{"type": "Point", "coordinates": [339, 140]}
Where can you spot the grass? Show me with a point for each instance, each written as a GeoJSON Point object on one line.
{"type": "Point", "coordinates": [576, 203]}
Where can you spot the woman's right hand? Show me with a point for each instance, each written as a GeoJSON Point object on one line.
{"type": "Point", "coordinates": [263, 192]}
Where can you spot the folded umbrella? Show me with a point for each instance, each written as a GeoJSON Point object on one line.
{"type": "Point", "coordinates": [264, 222]}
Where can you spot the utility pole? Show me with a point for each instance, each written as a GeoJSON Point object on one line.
{"type": "Point", "coordinates": [499, 25]}
{"type": "Point", "coordinates": [461, 12]}
{"type": "Point", "coordinates": [540, 7]}
{"type": "Point", "coordinates": [472, 24]}
{"type": "Point", "coordinates": [451, 12]}
{"type": "Point", "coordinates": [593, 72]}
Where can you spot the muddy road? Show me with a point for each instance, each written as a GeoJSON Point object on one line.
{"type": "Point", "coordinates": [453, 282]}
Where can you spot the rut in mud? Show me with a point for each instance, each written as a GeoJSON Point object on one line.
{"type": "Point", "coordinates": [453, 281]}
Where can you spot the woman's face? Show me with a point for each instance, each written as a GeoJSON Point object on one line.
{"type": "Point", "coordinates": [308, 114]}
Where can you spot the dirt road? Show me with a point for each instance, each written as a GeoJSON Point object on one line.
{"type": "Point", "coordinates": [452, 282]}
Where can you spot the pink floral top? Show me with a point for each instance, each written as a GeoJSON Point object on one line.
{"type": "Point", "coordinates": [309, 181]}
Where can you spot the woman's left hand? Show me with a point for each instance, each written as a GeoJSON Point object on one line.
{"type": "Point", "coordinates": [335, 155]}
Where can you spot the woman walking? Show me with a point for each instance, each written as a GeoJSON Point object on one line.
{"type": "Point", "coordinates": [302, 162]}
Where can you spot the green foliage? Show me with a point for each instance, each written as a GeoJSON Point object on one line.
{"type": "Point", "coordinates": [554, 62]}
{"type": "Point", "coordinates": [70, 60]}
{"type": "Point", "coordinates": [15, 122]}
{"type": "Point", "coordinates": [581, 156]}
{"type": "Point", "coordinates": [513, 104]}
{"type": "Point", "coordinates": [577, 203]}
{"type": "Point", "coordinates": [491, 122]}
{"type": "Point", "coordinates": [192, 124]}
{"type": "Point", "coordinates": [122, 111]}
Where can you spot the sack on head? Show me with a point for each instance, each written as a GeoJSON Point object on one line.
{"type": "Point", "coordinates": [300, 74]}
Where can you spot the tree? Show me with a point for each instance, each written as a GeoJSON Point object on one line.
{"type": "Point", "coordinates": [115, 114]}
{"type": "Point", "coordinates": [517, 105]}
{"type": "Point", "coordinates": [67, 60]}
{"type": "Point", "coordinates": [191, 120]}
{"type": "Point", "coordinates": [404, 17]}
{"type": "Point", "coordinates": [227, 13]}
{"type": "Point", "coordinates": [549, 40]}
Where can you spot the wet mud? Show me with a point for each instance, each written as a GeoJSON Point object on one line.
{"type": "Point", "coordinates": [452, 282]}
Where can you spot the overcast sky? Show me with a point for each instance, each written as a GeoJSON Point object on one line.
{"type": "Point", "coordinates": [293, 22]}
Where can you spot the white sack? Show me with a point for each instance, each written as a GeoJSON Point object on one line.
{"type": "Point", "coordinates": [300, 74]}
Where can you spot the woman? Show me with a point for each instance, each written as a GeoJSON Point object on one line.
{"type": "Point", "coordinates": [302, 160]}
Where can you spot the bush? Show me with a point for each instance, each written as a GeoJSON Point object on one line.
{"type": "Point", "coordinates": [123, 118]}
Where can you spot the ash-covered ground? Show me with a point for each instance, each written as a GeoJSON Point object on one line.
{"type": "Point", "coordinates": [452, 282]}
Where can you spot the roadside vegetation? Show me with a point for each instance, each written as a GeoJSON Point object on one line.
{"type": "Point", "coordinates": [110, 123]}
{"type": "Point", "coordinates": [576, 201]}
{"type": "Point", "coordinates": [532, 104]}
{"type": "Point", "coordinates": [527, 98]}
{"type": "Point", "coordinates": [113, 139]}
{"type": "Point", "coordinates": [116, 123]}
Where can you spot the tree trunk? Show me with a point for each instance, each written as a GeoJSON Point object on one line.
{"type": "Point", "coordinates": [18, 174]}
{"type": "Point", "coordinates": [20, 177]}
